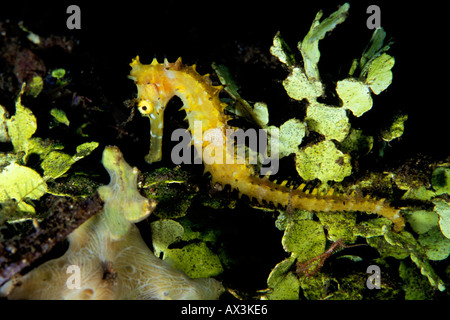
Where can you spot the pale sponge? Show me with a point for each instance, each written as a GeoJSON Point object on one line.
{"type": "Point", "coordinates": [107, 258]}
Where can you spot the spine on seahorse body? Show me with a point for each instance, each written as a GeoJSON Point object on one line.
{"type": "Point", "coordinates": [157, 83]}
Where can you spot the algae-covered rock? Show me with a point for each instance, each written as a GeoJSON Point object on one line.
{"type": "Point", "coordinates": [323, 161]}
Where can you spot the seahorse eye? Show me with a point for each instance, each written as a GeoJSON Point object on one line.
{"type": "Point", "coordinates": [145, 107]}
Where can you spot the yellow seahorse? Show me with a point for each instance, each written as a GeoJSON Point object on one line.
{"type": "Point", "coordinates": [157, 83]}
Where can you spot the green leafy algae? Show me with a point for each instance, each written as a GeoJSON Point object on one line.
{"type": "Point", "coordinates": [20, 183]}
{"type": "Point", "coordinates": [284, 284]}
{"type": "Point", "coordinates": [422, 221]}
{"type": "Point", "coordinates": [406, 241]}
{"type": "Point", "coordinates": [195, 259]}
{"type": "Point", "coordinates": [396, 129]}
{"type": "Point", "coordinates": [416, 286]}
{"type": "Point", "coordinates": [257, 114]}
{"type": "Point", "coordinates": [4, 137]}
{"type": "Point", "coordinates": [299, 87]}
{"type": "Point", "coordinates": [441, 180]}
{"type": "Point", "coordinates": [355, 96]}
{"type": "Point", "coordinates": [332, 121]}
{"type": "Point", "coordinates": [164, 233]}
{"type": "Point", "coordinates": [57, 163]}
{"type": "Point", "coordinates": [60, 116]}
{"type": "Point", "coordinates": [323, 161]}
{"type": "Point", "coordinates": [59, 75]}
{"type": "Point", "coordinates": [35, 87]}
{"type": "Point", "coordinates": [372, 228]}
{"type": "Point", "coordinates": [442, 208]}
{"type": "Point", "coordinates": [435, 244]}
{"type": "Point", "coordinates": [329, 121]}
{"type": "Point", "coordinates": [379, 76]}
{"type": "Point", "coordinates": [289, 136]}
{"type": "Point", "coordinates": [339, 225]}
{"type": "Point", "coordinates": [305, 238]}
{"type": "Point", "coordinates": [282, 51]}
{"type": "Point", "coordinates": [309, 46]}
{"type": "Point", "coordinates": [21, 127]}
{"type": "Point", "coordinates": [356, 143]}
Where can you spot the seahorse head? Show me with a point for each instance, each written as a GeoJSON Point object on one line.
{"type": "Point", "coordinates": [154, 84]}
{"type": "Point", "coordinates": [155, 88]}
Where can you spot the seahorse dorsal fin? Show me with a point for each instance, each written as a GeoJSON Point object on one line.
{"type": "Point", "coordinates": [154, 62]}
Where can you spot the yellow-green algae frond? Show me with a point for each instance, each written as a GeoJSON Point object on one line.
{"type": "Point", "coordinates": [107, 257]}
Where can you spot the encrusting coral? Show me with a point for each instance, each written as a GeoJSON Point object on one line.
{"type": "Point", "coordinates": [107, 258]}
